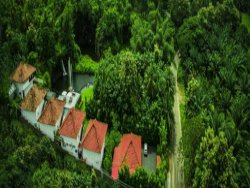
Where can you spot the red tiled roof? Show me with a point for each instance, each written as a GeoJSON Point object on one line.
{"type": "Point", "coordinates": [72, 123]}
{"type": "Point", "coordinates": [33, 99]}
{"type": "Point", "coordinates": [22, 72]}
{"type": "Point", "coordinates": [128, 152]}
{"type": "Point", "coordinates": [158, 161]}
{"type": "Point", "coordinates": [52, 111]}
{"type": "Point", "coordinates": [94, 136]}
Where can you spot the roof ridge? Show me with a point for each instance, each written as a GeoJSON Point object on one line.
{"type": "Point", "coordinates": [72, 118]}
{"type": "Point", "coordinates": [97, 136]}
{"type": "Point", "coordinates": [132, 144]}
{"type": "Point", "coordinates": [89, 130]}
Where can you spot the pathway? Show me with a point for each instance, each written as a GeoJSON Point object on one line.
{"type": "Point", "coordinates": [176, 167]}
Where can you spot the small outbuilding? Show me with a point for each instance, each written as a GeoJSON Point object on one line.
{"type": "Point", "coordinates": [52, 117]}
{"type": "Point", "coordinates": [93, 143]}
{"type": "Point", "coordinates": [32, 104]}
{"type": "Point", "coordinates": [71, 131]}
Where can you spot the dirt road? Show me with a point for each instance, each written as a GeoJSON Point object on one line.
{"type": "Point", "coordinates": [176, 176]}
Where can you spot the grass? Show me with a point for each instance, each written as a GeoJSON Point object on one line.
{"type": "Point", "coordinates": [86, 65]}
{"type": "Point", "coordinates": [86, 96]}
{"type": "Point", "coordinates": [246, 20]}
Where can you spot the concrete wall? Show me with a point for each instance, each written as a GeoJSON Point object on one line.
{"type": "Point", "coordinates": [39, 109]}
{"type": "Point", "coordinates": [92, 158]}
{"type": "Point", "coordinates": [50, 130]}
{"type": "Point", "coordinates": [29, 116]}
{"type": "Point", "coordinates": [32, 117]}
{"type": "Point", "coordinates": [26, 86]}
{"type": "Point", "coordinates": [70, 145]}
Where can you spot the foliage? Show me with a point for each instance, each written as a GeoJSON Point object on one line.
{"type": "Point", "coordinates": [179, 10]}
{"type": "Point", "coordinates": [86, 65]}
{"type": "Point", "coordinates": [86, 96]}
{"type": "Point", "coordinates": [140, 178]}
{"type": "Point", "coordinates": [136, 91]}
{"type": "Point", "coordinates": [213, 46]}
{"type": "Point", "coordinates": [154, 34]}
{"type": "Point", "coordinates": [47, 177]}
{"type": "Point", "coordinates": [192, 127]}
{"type": "Point", "coordinates": [242, 5]}
{"type": "Point", "coordinates": [31, 160]}
{"type": "Point", "coordinates": [215, 162]}
{"type": "Point", "coordinates": [245, 19]}
{"type": "Point", "coordinates": [111, 141]}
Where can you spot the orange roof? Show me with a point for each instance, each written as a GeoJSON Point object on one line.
{"type": "Point", "coordinates": [72, 123]}
{"type": "Point", "coordinates": [128, 152]}
{"type": "Point", "coordinates": [52, 111]}
{"type": "Point", "coordinates": [94, 136]}
{"type": "Point", "coordinates": [33, 98]}
{"type": "Point", "coordinates": [22, 72]}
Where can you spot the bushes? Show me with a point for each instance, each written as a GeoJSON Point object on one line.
{"type": "Point", "coordinates": [140, 178]}
{"type": "Point", "coordinates": [111, 142]}
{"type": "Point", "coordinates": [86, 65]}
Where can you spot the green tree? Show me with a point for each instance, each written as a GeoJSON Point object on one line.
{"type": "Point", "coordinates": [214, 162]}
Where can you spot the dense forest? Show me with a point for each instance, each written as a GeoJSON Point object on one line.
{"type": "Point", "coordinates": [130, 46]}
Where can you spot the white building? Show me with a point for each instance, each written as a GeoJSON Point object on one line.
{"type": "Point", "coordinates": [22, 80]}
{"type": "Point", "coordinates": [71, 98]}
{"type": "Point", "coordinates": [71, 131]}
{"type": "Point", "coordinates": [51, 118]}
{"type": "Point", "coordinates": [93, 143]}
{"type": "Point", "coordinates": [32, 104]}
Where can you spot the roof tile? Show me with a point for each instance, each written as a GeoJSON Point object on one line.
{"type": "Point", "coordinates": [22, 72]}
{"type": "Point", "coordinates": [33, 98]}
{"type": "Point", "coordinates": [72, 123]}
{"type": "Point", "coordinates": [94, 136]}
{"type": "Point", "coordinates": [128, 152]}
{"type": "Point", "coordinates": [52, 111]}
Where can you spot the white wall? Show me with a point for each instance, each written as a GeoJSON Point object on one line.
{"type": "Point", "coordinates": [50, 130]}
{"type": "Point", "coordinates": [29, 116]}
{"type": "Point", "coordinates": [26, 86]}
{"type": "Point", "coordinates": [70, 145]}
{"type": "Point", "coordinates": [92, 158]}
{"type": "Point", "coordinates": [39, 109]}
{"type": "Point", "coordinates": [32, 117]}
{"type": "Point", "coordinates": [29, 86]}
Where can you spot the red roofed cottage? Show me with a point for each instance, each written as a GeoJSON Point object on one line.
{"type": "Point", "coordinates": [93, 143]}
{"type": "Point", "coordinates": [51, 118]}
{"type": "Point", "coordinates": [71, 131]}
{"type": "Point", "coordinates": [128, 152]}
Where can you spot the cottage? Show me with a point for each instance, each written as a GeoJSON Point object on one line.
{"type": "Point", "coordinates": [127, 153]}
{"type": "Point", "coordinates": [32, 104]}
{"type": "Point", "coordinates": [93, 143]}
{"type": "Point", "coordinates": [22, 80]}
{"type": "Point", "coordinates": [52, 117]}
{"type": "Point", "coordinates": [71, 131]}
